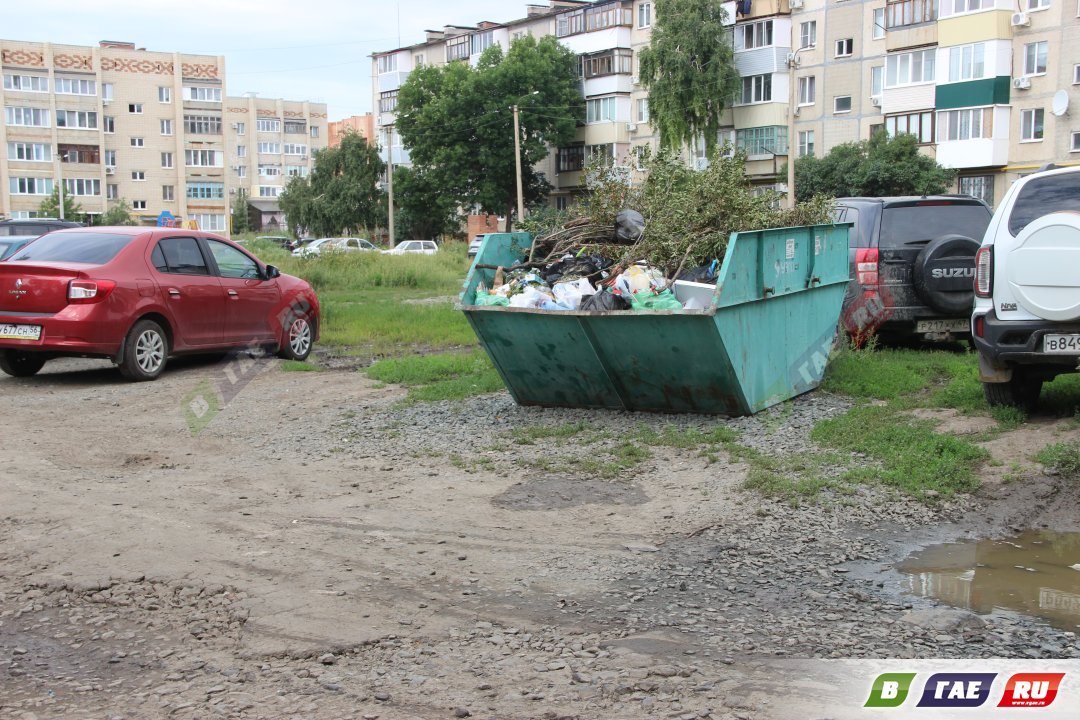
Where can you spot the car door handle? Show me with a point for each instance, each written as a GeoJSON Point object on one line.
{"type": "Point", "coordinates": [173, 292]}
{"type": "Point", "coordinates": [234, 294]}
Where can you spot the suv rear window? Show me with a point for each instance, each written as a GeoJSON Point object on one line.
{"type": "Point", "coordinates": [920, 222]}
{"type": "Point", "coordinates": [1042, 196]}
{"type": "Point", "coordinates": [89, 248]}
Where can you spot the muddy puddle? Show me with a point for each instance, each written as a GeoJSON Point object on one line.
{"type": "Point", "coordinates": [1036, 573]}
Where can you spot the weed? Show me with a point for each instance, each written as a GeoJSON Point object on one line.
{"type": "Point", "coordinates": [299, 366]}
{"type": "Point", "coordinates": [1063, 457]}
{"type": "Point", "coordinates": [446, 376]}
{"type": "Point", "coordinates": [529, 435]}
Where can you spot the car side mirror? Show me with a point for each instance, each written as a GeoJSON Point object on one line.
{"type": "Point", "coordinates": [272, 272]}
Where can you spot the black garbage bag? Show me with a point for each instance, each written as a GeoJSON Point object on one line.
{"type": "Point", "coordinates": [702, 274]}
{"type": "Point", "coordinates": [605, 300]}
{"type": "Point", "coordinates": [629, 227]}
{"type": "Point", "coordinates": [572, 268]}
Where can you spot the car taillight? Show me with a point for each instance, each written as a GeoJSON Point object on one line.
{"type": "Point", "coordinates": [984, 279]}
{"type": "Point", "coordinates": [84, 292]}
{"type": "Point", "coordinates": [866, 266]}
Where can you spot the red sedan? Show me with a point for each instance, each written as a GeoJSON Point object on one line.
{"type": "Point", "coordinates": [140, 295]}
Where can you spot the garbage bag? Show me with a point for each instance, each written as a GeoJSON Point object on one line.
{"type": "Point", "coordinates": [605, 300]}
{"type": "Point", "coordinates": [647, 300]}
{"type": "Point", "coordinates": [571, 268]}
{"type": "Point", "coordinates": [483, 299]}
{"type": "Point", "coordinates": [702, 274]}
{"type": "Point", "coordinates": [531, 297]}
{"type": "Point", "coordinates": [570, 293]}
{"type": "Point", "coordinates": [629, 227]}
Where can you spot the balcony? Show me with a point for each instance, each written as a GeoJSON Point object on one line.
{"type": "Point", "coordinates": [79, 154]}
{"type": "Point", "coordinates": [974, 153]}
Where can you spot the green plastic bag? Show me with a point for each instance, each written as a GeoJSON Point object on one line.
{"type": "Point", "coordinates": [483, 299]}
{"type": "Point", "coordinates": [646, 300]}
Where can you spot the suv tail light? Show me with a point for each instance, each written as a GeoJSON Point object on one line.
{"type": "Point", "coordinates": [984, 277]}
{"type": "Point", "coordinates": [85, 292]}
{"type": "Point", "coordinates": [866, 266]}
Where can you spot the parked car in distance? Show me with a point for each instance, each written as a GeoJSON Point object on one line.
{"type": "Point", "coordinates": [284, 241]}
{"type": "Point", "coordinates": [1026, 319]}
{"type": "Point", "coordinates": [329, 245]}
{"type": "Point", "coordinates": [34, 226]}
{"type": "Point", "coordinates": [138, 296]}
{"type": "Point", "coordinates": [475, 243]}
{"type": "Point", "coordinates": [912, 265]}
{"type": "Point", "coordinates": [421, 247]}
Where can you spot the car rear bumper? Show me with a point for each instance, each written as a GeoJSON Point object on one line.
{"type": "Point", "coordinates": [1021, 341]}
{"type": "Point", "coordinates": [82, 330]}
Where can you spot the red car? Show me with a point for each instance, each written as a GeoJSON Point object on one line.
{"type": "Point", "coordinates": [139, 295]}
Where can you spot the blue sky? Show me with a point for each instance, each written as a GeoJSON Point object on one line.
{"type": "Point", "coordinates": [308, 50]}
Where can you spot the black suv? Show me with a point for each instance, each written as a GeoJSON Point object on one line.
{"type": "Point", "coordinates": [912, 265]}
{"type": "Point", "coordinates": [34, 226]}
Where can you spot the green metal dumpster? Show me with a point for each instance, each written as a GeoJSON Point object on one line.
{"type": "Point", "coordinates": [765, 336]}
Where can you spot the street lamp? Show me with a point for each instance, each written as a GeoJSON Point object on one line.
{"type": "Point", "coordinates": [517, 157]}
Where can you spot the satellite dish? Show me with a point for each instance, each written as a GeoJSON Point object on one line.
{"type": "Point", "coordinates": [1060, 104]}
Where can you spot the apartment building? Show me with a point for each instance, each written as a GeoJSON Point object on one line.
{"type": "Point", "coordinates": [155, 129]}
{"type": "Point", "coordinates": [362, 125]}
{"type": "Point", "coordinates": [985, 85]}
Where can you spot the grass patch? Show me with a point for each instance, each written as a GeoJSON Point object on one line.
{"type": "Point", "coordinates": [392, 328]}
{"type": "Point", "coordinates": [529, 435]}
{"type": "Point", "coordinates": [1063, 457]}
{"type": "Point", "coordinates": [897, 374]}
{"type": "Point", "coordinates": [299, 366]}
{"type": "Point", "coordinates": [446, 376]}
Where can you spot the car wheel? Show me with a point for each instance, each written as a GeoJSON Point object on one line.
{"type": "Point", "coordinates": [21, 364]}
{"type": "Point", "coordinates": [145, 351]}
{"type": "Point", "coordinates": [298, 338]}
{"type": "Point", "coordinates": [1022, 391]}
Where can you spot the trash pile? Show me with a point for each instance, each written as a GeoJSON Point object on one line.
{"type": "Point", "coordinates": [578, 274]}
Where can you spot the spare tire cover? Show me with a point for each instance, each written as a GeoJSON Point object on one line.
{"type": "Point", "coordinates": [944, 274]}
{"type": "Point", "coordinates": [1041, 268]}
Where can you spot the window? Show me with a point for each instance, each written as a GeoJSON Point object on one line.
{"type": "Point", "coordinates": [268, 125]}
{"type": "Point", "coordinates": [166, 159]}
{"type": "Point", "coordinates": [112, 191]}
{"type": "Point", "coordinates": [269, 148]}
{"type": "Point", "coordinates": [179, 255]}
{"type": "Point", "coordinates": [135, 108]}
{"type": "Point", "coordinates": [1035, 58]}
{"type": "Point", "coordinates": [241, 171]}
{"type": "Point", "coordinates": [600, 110]}
{"type": "Point", "coordinates": [69, 153]}
{"type": "Point", "coordinates": [289, 149]}
{"type": "Point", "coordinates": [314, 131]}
{"type": "Point", "coordinates": [211, 222]}
{"type": "Point", "coordinates": [963, 6]}
{"type": "Point", "coordinates": [26, 117]}
{"type": "Point", "coordinates": [241, 128]}
{"type": "Point", "coordinates": [807, 90]}
{"type": "Point", "coordinates": [232, 263]}
{"type": "Point", "coordinates": [110, 158]}
{"type": "Point", "coordinates": [108, 123]}
{"type": "Point", "coordinates": [571, 158]}
{"type": "Point", "coordinates": [842, 104]}
{"type": "Point", "coordinates": [762, 140]}
{"type": "Point", "coordinates": [808, 34]}
{"type": "Point", "coordinates": [640, 153]}
{"type": "Point", "coordinates": [387, 64]}
{"type": "Point", "coordinates": [82, 187]}
{"type": "Point", "coordinates": [269, 170]}
{"type": "Point", "coordinates": [966, 124]}
{"type": "Point", "coordinates": [644, 15]}
{"type": "Point", "coordinates": [457, 48]}
{"type": "Point", "coordinates": [26, 83]}
{"type": "Point", "coordinates": [909, 68]}
{"type": "Point", "coordinates": [876, 75]}
{"type": "Point", "coordinates": [1031, 125]}
{"type": "Point", "coordinates": [168, 193]}
{"type": "Point", "coordinates": [878, 31]}
{"type": "Point", "coordinates": [202, 94]}
{"type": "Point", "coordinates": [643, 110]}
{"type": "Point", "coordinates": [241, 151]}
{"type": "Point", "coordinates": [845, 47]}
{"type": "Point", "coordinates": [418, 61]}
{"type": "Point", "coordinates": [756, 88]}
{"type": "Point", "coordinates": [388, 101]}
{"type": "Point", "coordinates": [911, 12]}
{"type": "Point", "coordinates": [1038, 4]}
{"type": "Point", "coordinates": [29, 152]}
{"type": "Point", "coordinates": [481, 41]}
{"type": "Point", "coordinates": [967, 62]}
{"type": "Point", "coordinates": [270, 190]}
{"type": "Point", "coordinates": [1076, 74]}
{"type": "Point", "coordinates": [754, 35]}
{"type": "Point", "coordinates": [77, 119]}
{"type": "Point", "coordinates": [919, 124]}
{"type": "Point", "coordinates": [204, 158]}
{"type": "Point", "coordinates": [138, 204]}
{"type": "Point", "coordinates": [202, 124]}
{"type": "Point", "coordinates": [164, 95]}
{"type": "Point", "coordinates": [979, 186]}
{"type": "Point", "coordinates": [806, 142]}
{"type": "Point", "coordinates": [296, 170]}
{"type": "Point", "coordinates": [602, 16]}
{"type": "Point", "coordinates": [609, 62]}
{"type": "Point", "coordinates": [166, 127]}
{"type": "Point", "coordinates": [295, 127]}
{"type": "Point", "coordinates": [71, 86]}
{"type": "Point", "coordinates": [137, 142]}
{"type": "Point", "coordinates": [30, 186]}
{"type": "Point", "coordinates": [138, 175]}
{"type": "Point", "coordinates": [1075, 142]}
{"type": "Point", "coordinates": [107, 92]}
{"type": "Point", "coordinates": [205, 191]}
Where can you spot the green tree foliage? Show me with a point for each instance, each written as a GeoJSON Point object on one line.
{"type": "Point", "coordinates": [421, 208]}
{"type": "Point", "coordinates": [341, 194]}
{"type": "Point", "coordinates": [241, 221]}
{"type": "Point", "coordinates": [457, 122]}
{"type": "Point", "coordinates": [50, 207]}
{"type": "Point", "coordinates": [689, 70]}
{"type": "Point", "coordinates": [877, 167]}
{"type": "Point", "coordinates": [119, 213]}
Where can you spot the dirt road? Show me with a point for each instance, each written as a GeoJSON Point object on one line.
{"type": "Point", "coordinates": [312, 552]}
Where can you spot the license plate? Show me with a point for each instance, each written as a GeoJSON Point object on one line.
{"type": "Point", "coordinates": [928, 326]}
{"type": "Point", "coordinates": [1062, 344]}
{"type": "Point", "coordinates": [20, 332]}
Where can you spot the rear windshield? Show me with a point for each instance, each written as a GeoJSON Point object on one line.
{"type": "Point", "coordinates": [1042, 196]}
{"type": "Point", "coordinates": [89, 248]}
{"type": "Point", "coordinates": [917, 223]}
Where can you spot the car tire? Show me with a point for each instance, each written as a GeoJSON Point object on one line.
{"type": "Point", "coordinates": [950, 295]}
{"type": "Point", "coordinates": [146, 350]}
{"type": "Point", "coordinates": [297, 338]}
{"type": "Point", "coordinates": [18, 363]}
{"type": "Point", "coordinates": [1021, 391]}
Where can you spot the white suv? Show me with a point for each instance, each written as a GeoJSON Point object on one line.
{"type": "Point", "coordinates": [1026, 322]}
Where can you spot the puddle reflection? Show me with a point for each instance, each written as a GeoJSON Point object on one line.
{"type": "Point", "coordinates": [1036, 573]}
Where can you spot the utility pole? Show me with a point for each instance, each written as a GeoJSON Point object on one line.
{"type": "Point", "coordinates": [517, 162]}
{"type": "Point", "coordinates": [60, 180]}
{"type": "Point", "coordinates": [390, 178]}
{"type": "Point", "coordinates": [793, 110]}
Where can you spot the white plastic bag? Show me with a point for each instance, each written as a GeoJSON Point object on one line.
{"type": "Point", "coordinates": [530, 297]}
{"type": "Point", "coordinates": [570, 293]}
